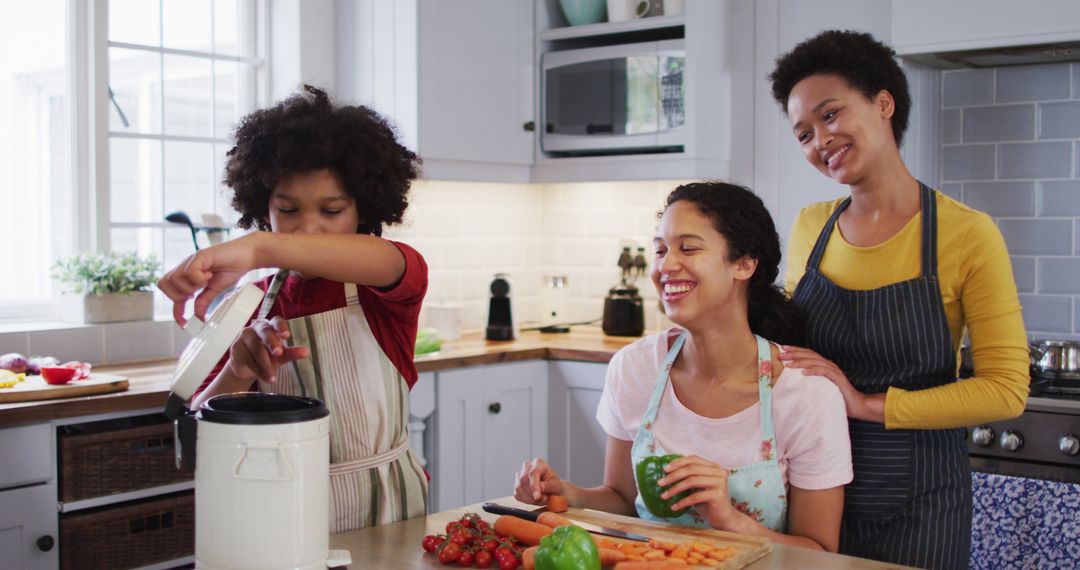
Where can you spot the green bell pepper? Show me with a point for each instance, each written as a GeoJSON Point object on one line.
{"type": "Point", "coordinates": [649, 471]}
{"type": "Point", "coordinates": [567, 548]}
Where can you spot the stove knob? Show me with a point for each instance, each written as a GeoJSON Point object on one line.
{"type": "Point", "coordinates": [983, 436]}
{"type": "Point", "coordinates": [1011, 440]}
{"type": "Point", "coordinates": [1069, 444]}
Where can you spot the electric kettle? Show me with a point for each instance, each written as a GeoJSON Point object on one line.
{"type": "Point", "coordinates": [262, 461]}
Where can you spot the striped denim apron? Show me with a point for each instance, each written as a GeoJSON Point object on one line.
{"type": "Point", "coordinates": [910, 501]}
{"type": "Point", "coordinates": [374, 477]}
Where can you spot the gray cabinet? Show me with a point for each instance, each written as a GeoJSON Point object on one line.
{"type": "Point", "coordinates": [28, 525]}
{"type": "Point", "coordinates": [28, 528]}
{"type": "Point", "coordinates": [455, 77]}
{"type": "Point", "coordinates": [576, 441]}
{"type": "Point", "coordinates": [924, 26]}
{"type": "Point", "coordinates": [488, 420]}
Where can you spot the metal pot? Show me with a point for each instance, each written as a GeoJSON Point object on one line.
{"type": "Point", "coordinates": [1056, 358]}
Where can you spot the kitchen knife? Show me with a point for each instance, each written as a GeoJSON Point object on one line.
{"type": "Point", "coordinates": [497, 509]}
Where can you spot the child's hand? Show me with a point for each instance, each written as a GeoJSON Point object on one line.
{"type": "Point", "coordinates": [211, 270]}
{"type": "Point", "coordinates": [259, 351]}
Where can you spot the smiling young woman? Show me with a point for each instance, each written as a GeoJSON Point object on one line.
{"type": "Point", "coordinates": [890, 277]}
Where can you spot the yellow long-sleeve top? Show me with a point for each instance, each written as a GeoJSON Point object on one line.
{"type": "Point", "coordinates": [978, 292]}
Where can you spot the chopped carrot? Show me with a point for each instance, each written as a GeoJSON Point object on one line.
{"type": "Point", "coordinates": [610, 556]}
{"type": "Point", "coordinates": [557, 504]}
{"type": "Point", "coordinates": [528, 557]}
{"type": "Point", "coordinates": [710, 562]}
{"type": "Point", "coordinates": [665, 545]}
{"type": "Point", "coordinates": [654, 555]}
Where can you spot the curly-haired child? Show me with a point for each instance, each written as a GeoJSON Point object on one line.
{"type": "Point", "coordinates": [321, 180]}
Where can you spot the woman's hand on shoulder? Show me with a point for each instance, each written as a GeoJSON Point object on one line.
{"type": "Point", "coordinates": [536, 482]}
{"type": "Point", "coordinates": [869, 407]}
{"type": "Point", "coordinates": [707, 483]}
{"type": "Point", "coordinates": [260, 350]}
{"type": "Point", "coordinates": [211, 271]}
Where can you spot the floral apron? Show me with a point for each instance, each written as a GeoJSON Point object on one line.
{"type": "Point", "coordinates": [374, 477]}
{"type": "Point", "coordinates": [757, 490]}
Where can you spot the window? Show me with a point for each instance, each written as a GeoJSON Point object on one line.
{"type": "Point", "coordinates": [180, 75]}
{"type": "Point", "coordinates": [35, 189]}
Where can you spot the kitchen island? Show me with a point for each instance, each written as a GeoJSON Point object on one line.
{"type": "Point", "coordinates": [398, 545]}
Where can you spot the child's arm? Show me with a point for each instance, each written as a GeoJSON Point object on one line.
{"type": "Point", "coordinates": [349, 258]}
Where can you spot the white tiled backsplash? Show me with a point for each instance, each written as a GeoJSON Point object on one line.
{"type": "Point", "coordinates": [468, 232]}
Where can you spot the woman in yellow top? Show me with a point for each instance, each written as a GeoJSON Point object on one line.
{"type": "Point", "coordinates": [889, 278]}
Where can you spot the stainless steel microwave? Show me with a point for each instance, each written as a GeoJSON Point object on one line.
{"type": "Point", "coordinates": [614, 99]}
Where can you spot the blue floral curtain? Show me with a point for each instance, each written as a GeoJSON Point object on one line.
{"type": "Point", "coordinates": [1024, 523]}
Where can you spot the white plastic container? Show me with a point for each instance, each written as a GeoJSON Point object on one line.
{"type": "Point", "coordinates": [261, 488]}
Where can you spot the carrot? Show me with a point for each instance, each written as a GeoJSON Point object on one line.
{"type": "Point", "coordinates": [557, 504]}
{"type": "Point", "coordinates": [553, 520]}
{"type": "Point", "coordinates": [528, 558]}
{"type": "Point", "coordinates": [527, 532]}
{"type": "Point", "coordinates": [610, 556]}
{"type": "Point", "coordinates": [651, 565]}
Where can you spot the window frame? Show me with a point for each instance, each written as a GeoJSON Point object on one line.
{"type": "Point", "coordinates": [88, 135]}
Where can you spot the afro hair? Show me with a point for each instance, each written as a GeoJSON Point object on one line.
{"type": "Point", "coordinates": [306, 132]}
{"type": "Point", "coordinates": [862, 61]}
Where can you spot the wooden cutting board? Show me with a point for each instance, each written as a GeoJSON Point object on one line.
{"type": "Point", "coordinates": [749, 549]}
{"type": "Point", "coordinates": [34, 388]}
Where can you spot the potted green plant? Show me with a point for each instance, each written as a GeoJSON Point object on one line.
{"type": "Point", "coordinates": [106, 288]}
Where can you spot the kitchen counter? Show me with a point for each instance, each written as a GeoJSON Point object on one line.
{"type": "Point", "coordinates": [398, 545]}
{"type": "Point", "coordinates": [149, 381]}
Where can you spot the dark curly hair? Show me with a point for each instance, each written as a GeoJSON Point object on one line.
{"type": "Point", "coordinates": [862, 61]}
{"type": "Point", "coordinates": [741, 217]}
{"type": "Point", "coordinates": [307, 132]}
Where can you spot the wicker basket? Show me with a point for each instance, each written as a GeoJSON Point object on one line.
{"type": "Point", "coordinates": [104, 458]}
{"type": "Point", "coordinates": [130, 534]}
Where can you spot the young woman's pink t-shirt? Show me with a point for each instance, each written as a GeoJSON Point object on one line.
{"type": "Point", "coordinates": [808, 417]}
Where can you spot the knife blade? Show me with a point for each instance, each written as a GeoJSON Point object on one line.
{"type": "Point", "coordinates": [497, 509]}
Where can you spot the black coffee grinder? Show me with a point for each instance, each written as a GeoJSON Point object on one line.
{"type": "Point", "coordinates": [500, 314]}
{"type": "Point", "coordinates": [624, 313]}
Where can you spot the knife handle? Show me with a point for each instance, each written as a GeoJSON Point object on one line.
{"type": "Point", "coordinates": [497, 509]}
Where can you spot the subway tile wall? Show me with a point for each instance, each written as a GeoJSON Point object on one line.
{"type": "Point", "coordinates": [468, 232]}
{"type": "Point", "coordinates": [1011, 148]}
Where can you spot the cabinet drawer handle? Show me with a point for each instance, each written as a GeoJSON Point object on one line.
{"type": "Point", "coordinates": [45, 543]}
{"type": "Point", "coordinates": [529, 126]}
{"type": "Point", "coordinates": [495, 408]}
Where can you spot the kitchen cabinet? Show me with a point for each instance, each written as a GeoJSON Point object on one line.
{"type": "Point", "coordinates": [926, 26]}
{"type": "Point", "coordinates": [455, 77]}
{"type": "Point", "coordinates": [719, 83]}
{"type": "Point", "coordinates": [28, 524]}
{"type": "Point", "coordinates": [28, 528]}
{"type": "Point", "coordinates": [488, 420]}
{"type": "Point", "coordinates": [576, 442]}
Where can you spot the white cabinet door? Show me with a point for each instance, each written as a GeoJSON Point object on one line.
{"type": "Point", "coordinates": [488, 420]}
{"type": "Point", "coordinates": [515, 410]}
{"type": "Point", "coordinates": [475, 81]}
{"type": "Point", "coordinates": [27, 453]}
{"type": "Point", "coordinates": [920, 26]}
{"type": "Point", "coordinates": [577, 442]}
{"type": "Point", "coordinates": [28, 528]}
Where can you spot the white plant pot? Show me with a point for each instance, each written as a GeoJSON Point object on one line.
{"type": "Point", "coordinates": [109, 308]}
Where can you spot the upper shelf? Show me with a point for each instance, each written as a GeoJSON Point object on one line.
{"type": "Point", "coordinates": [609, 28]}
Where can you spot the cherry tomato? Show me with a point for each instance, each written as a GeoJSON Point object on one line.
{"type": "Point", "coordinates": [489, 545]}
{"type": "Point", "coordinates": [432, 542]}
{"type": "Point", "coordinates": [449, 553]}
{"type": "Point", "coordinates": [459, 538]}
{"type": "Point", "coordinates": [483, 559]}
{"type": "Point", "coordinates": [482, 525]}
{"type": "Point", "coordinates": [466, 559]}
{"type": "Point", "coordinates": [452, 527]}
{"type": "Point", "coordinates": [508, 563]}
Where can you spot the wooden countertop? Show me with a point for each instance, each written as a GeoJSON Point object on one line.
{"type": "Point", "coordinates": [398, 545]}
{"type": "Point", "coordinates": [150, 381]}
